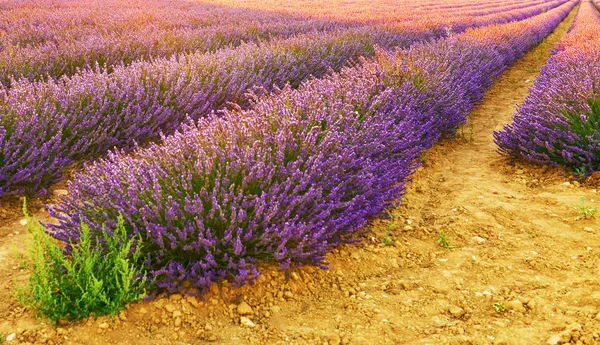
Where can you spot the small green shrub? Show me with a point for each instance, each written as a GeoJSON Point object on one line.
{"type": "Point", "coordinates": [98, 277]}
{"type": "Point", "coordinates": [499, 307]}
{"type": "Point", "coordinates": [443, 240]}
{"type": "Point", "coordinates": [586, 211]}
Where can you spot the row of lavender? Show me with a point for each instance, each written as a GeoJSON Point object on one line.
{"type": "Point", "coordinates": [51, 45]}
{"type": "Point", "coordinates": [42, 40]}
{"type": "Point", "coordinates": [45, 127]}
{"type": "Point", "coordinates": [298, 173]}
{"type": "Point", "coordinates": [559, 122]}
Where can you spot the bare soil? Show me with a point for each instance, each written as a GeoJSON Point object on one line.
{"type": "Point", "coordinates": [523, 268]}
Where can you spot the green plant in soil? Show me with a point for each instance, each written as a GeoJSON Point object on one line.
{"type": "Point", "coordinates": [586, 211]}
{"type": "Point", "coordinates": [388, 240]}
{"type": "Point", "coordinates": [98, 277]}
{"type": "Point", "coordinates": [444, 240]}
{"type": "Point", "coordinates": [580, 174]}
{"type": "Point", "coordinates": [499, 307]}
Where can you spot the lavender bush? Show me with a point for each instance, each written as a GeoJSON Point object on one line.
{"type": "Point", "coordinates": [299, 172]}
{"type": "Point", "coordinates": [558, 122]}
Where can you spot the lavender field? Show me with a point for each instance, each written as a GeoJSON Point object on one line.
{"type": "Point", "coordinates": [195, 148]}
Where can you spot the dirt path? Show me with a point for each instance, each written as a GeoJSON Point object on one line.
{"type": "Point", "coordinates": [517, 243]}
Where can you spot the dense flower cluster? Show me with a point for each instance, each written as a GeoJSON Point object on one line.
{"type": "Point", "coordinates": [559, 122]}
{"type": "Point", "coordinates": [46, 126]}
{"type": "Point", "coordinates": [51, 38]}
{"type": "Point", "coordinates": [301, 170]}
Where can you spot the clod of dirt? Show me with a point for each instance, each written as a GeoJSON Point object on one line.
{"type": "Point", "coordinates": [244, 309]}
{"type": "Point", "coordinates": [170, 308]}
{"type": "Point", "coordinates": [516, 305]}
{"type": "Point", "coordinates": [457, 312]}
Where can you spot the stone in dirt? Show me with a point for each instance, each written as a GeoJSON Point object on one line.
{"type": "Point", "coordinates": [103, 325]}
{"type": "Point", "coordinates": [516, 305]}
{"type": "Point", "coordinates": [479, 240]}
{"type": "Point", "coordinates": [244, 321]}
{"type": "Point", "coordinates": [457, 312]}
{"type": "Point", "coordinates": [245, 309]}
{"type": "Point", "coordinates": [11, 337]}
{"type": "Point", "coordinates": [559, 339]}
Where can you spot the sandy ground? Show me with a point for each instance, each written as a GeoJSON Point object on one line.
{"type": "Point", "coordinates": [523, 267]}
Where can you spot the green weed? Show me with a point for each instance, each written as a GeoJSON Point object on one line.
{"type": "Point", "coordinates": [97, 278]}
{"type": "Point", "coordinates": [586, 211]}
{"type": "Point", "coordinates": [388, 240]}
{"type": "Point", "coordinates": [443, 240]}
{"type": "Point", "coordinates": [499, 307]}
{"type": "Point", "coordinates": [581, 173]}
